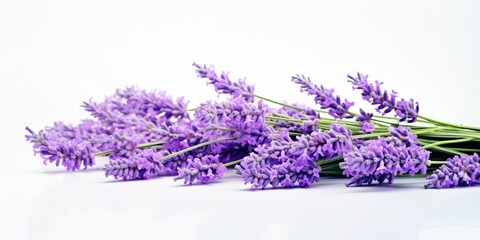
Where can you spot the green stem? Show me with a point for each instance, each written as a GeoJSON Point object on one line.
{"type": "Point", "coordinates": [448, 124]}
{"type": "Point", "coordinates": [447, 142]}
{"type": "Point", "coordinates": [232, 163]}
{"type": "Point", "coordinates": [465, 149]}
{"type": "Point", "coordinates": [278, 103]}
{"type": "Point", "coordinates": [103, 153]}
{"type": "Point", "coordinates": [195, 147]}
{"type": "Point", "coordinates": [321, 162]}
{"type": "Point", "coordinates": [149, 144]}
{"type": "Point", "coordinates": [437, 162]}
{"type": "Point", "coordinates": [372, 135]}
{"type": "Point", "coordinates": [447, 150]}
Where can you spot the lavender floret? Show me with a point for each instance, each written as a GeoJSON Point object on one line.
{"type": "Point", "coordinates": [365, 119]}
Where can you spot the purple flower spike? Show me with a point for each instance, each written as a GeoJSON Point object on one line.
{"type": "Point", "coordinates": [294, 172]}
{"type": "Point", "coordinates": [72, 154]}
{"type": "Point", "coordinates": [223, 84]}
{"type": "Point", "coordinates": [201, 170]}
{"type": "Point", "coordinates": [406, 110]}
{"type": "Point", "coordinates": [153, 106]}
{"type": "Point", "coordinates": [324, 97]}
{"type": "Point", "coordinates": [457, 171]}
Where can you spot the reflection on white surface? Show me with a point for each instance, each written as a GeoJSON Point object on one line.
{"type": "Point", "coordinates": [51, 204]}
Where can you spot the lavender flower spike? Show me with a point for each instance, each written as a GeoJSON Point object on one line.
{"type": "Point", "coordinates": [324, 97]}
{"type": "Point", "coordinates": [223, 84]}
{"type": "Point", "coordinates": [72, 154]}
{"type": "Point", "coordinates": [406, 110]}
{"type": "Point", "coordinates": [457, 171]}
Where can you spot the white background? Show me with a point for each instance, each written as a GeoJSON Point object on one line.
{"type": "Point", "coordinates": [56, 54]}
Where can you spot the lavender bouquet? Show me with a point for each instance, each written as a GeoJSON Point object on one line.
{"type": "Point", "coordinates": [268, 143]}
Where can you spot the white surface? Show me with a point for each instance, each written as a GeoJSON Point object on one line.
{"type": "Point", "coordinates": [55, 54]}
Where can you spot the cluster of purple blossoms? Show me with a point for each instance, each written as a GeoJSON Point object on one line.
{"type": "Point", "coordinates": [174, 137]}
{"type": "Point", "coordinates": [124, 120]}
{"type": "Point", "coordinates": [324, 97]}
{"type": "Point", "coordinates": [384, 158]}
{"type": "Point", "coordinates": [406, 110]}
{"type": "Point", "coordinates": [287, 163]}
{"type": "Point", "coordinates": [457, 171]}
{"type": "Point", "coordinates": [201, 169]}
{"type": "Point", "coordinates": [223, 84]}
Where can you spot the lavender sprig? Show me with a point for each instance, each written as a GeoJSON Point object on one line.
{"type": "Point", "coordinates": [324, 97]}
{"type": "Point", "coordinates": [223, 84]}
{"type": "Point", "coordinates": [72, 154]}
{"type": "Point", "coordinates": [154, 106]}
{"type": "Point", "coordinates": [461, 170]}
{"type": "Point", "coordinates": [406, 110]}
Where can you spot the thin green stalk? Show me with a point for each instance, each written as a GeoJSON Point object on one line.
{"type": "Point", "coordinates": [465, 149]}
{"type": "Point", "coordinates": [326, 161]}
{"type": "Point", "coordinates": [195, 147]}
{"type": "Point", "coordinates": [447, 142]}
{"type": "Point", "coordinates": [372, 135]}
{"type": "Point", "coordinates": [149, 144]}
{"type": "Point", "coordinates": [448, 124]}
{"type": "Point", "coordinates": [103, 153]}
{"type": "Point", "coordinates": [278, 103]}
{"type": "Point", "coordinates": [232, 163]}
{"type": "Point", "coordinates": [437, 162]}
{"type": "Point", "coordinates": [446, 150]}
